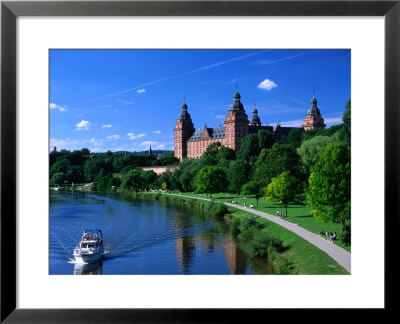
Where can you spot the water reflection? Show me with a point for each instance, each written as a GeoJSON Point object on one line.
{"type": "Point", "coordinates": [88, 268]}
{"type": "Point", "coordinates": [235, 257]}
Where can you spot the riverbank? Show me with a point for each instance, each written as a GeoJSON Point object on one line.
{"type": "Point", "coordinates": [297, 214]}
{"type": "Point", "coordinates": [302, 256]}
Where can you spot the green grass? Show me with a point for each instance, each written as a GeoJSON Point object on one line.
{"type": "Point", "coordinates": [297, 214]}
{"type": "Point", "coordinates": [303, 257]}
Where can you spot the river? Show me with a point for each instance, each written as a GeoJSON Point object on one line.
{"type": "Point", "coordinates": [143, 236]}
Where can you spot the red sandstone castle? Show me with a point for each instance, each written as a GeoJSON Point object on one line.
{"type": "Point", "coordinates": [191, 143]}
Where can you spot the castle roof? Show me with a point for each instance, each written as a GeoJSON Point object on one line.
{"type": "Point", "coordinates": [236, 104]}
{"type": "Point", "coordinates": [184, 113]}
{"type": "Point", "coordinates": [215, 133]}
{"type": "Point", "coordinates": [313, 110]}
{"type": "Point", "coordinates": [255, 120]}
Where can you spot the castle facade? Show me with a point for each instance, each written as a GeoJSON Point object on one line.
{"type": "Point", "coordinates": [192, 143]}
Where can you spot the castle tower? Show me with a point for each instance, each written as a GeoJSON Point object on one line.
{"type": "Point", "coordinates": [183, 130]}
{"type": "Point", "coordinates": [313, 118]}
{"type": "Point", "coordinates": [236, 124]}
{"type": "Point", "coordinates": [255, 120]}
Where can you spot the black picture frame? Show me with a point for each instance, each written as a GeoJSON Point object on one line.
{"type": "Point", "coordinates": [10, 10]}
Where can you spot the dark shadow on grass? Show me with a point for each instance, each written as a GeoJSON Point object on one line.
{"type": "Point", "coordinates": [304, 216]}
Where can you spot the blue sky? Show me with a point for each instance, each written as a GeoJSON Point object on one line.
{"type": "Point", "coordinates": [127, 100]}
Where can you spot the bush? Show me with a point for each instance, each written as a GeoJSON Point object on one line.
{"type": "Point", "coordinates": [261, 242]}
{"type": "Point", "coordinates": [346, 235]}
{"type": "Point", "coordinates": [248, 234]}
{"type": "Point", "coordinates": [218, 209]}
{"type": "Point", "coordinates": [246, 222]}
{"type": "Point", "coordinates": [235, 225]}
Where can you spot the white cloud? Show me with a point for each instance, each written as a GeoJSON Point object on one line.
{"type": "Point", "coordinates": [148, 143]}
{"type": "Point", "coordinates": [141, 91]}
{"type": "Point", "coordinates": [96, 142]}
{"type": "Point", "coordinates": [106, 126]}
{"type": "Point", "coordinates": [267, 85]}
{"type": "Point", "coordinates": [83, 125]}
{"type": "Point", "coordinates": [113, 137]}
{"type": "Point", "coordinates": [132, 136]}
{"type": "Point", "coordinates": [96, 149]}
{"type": "Point", "coordinates": [124, 101]}
{"type": "Point", "coordinates": [333, 121]}
{"type": "Point", "coordinates": [157, 132]}
{"type": "Point", "coordinates": [160, 147]}
{"type": "Point", "coordinates": [55, 106]}
{"type": "Point", "coordinates": [220, 116]}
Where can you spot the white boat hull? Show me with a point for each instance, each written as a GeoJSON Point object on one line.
{"type": "Point", "coordinates": [88, 257]}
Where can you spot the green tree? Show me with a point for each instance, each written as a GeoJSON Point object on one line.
{"type": "Point", "coordinates": [272, 162]}
{"type": "Point", "coordinates": [57, 179]}
{"type": "Point", "coordinates": [249, 149]}
{"type": "Point", "coordinates": [133, 180]}
{"type": "Point", "coordinates": [212, 149]}
{"type": "Point", "coordinates": [310, 150]}
{"type": "Point", "coordinates": [238, 175]}
{"type": "Point", "coordinates": [149, 178]}
{"type": "Point", "coordinates": [167, 159]}
{"type": "Point", "coordinates": [265, 139]}
{"type": "Point", "coordinates": [347, 124]}
{"type": "Point", "coordinates": [253, 188]}
{"type": "Point", "coordinates": [294, 137]}
{"type": "Point", "coordinates": [225, 153]}
{"type": "Point", "coordinates": [328, 194]}
{"type": "Point", "coordinates": [210, 179]}
{"type": "Point", "coordinates": [282, 189]}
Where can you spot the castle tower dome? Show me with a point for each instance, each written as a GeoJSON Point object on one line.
{"type": "Point", "coordinates": [255, 120]}
{"type": "Point", "coordinates": [236, 104]}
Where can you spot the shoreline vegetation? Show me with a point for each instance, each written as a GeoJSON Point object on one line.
{"type": "Point", "coordinates": [305, 176]}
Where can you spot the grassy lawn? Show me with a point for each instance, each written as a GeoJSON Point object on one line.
{"type": "Point", "coordinates": [304, 257]}
{"type": "Point", "coordinates": [297, 214]}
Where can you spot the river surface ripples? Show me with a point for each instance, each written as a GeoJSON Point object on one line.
{"type": "Point", "coordinates": [143, 236]}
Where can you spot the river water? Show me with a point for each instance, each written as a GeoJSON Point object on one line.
{"type": "Point", "coordinates": [143, 236]}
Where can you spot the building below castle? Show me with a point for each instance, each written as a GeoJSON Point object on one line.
{"type": "Point", "coordinates": [192, 143]}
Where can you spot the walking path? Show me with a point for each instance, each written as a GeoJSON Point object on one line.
{"type": "Point", "coordinates": [337, 253]}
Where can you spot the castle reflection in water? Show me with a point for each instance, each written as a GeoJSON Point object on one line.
{"type": "Point", "coordinates": [187, 246]}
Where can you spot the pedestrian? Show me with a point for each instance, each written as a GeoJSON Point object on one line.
{"type": "Point", "coordinates": [333, 236]}
{"type": "Point", "coordinates": [277, 213]}
{"type": "Point", "coordinates": [244, 205]}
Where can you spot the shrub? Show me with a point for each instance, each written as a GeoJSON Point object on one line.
{"type": "Point", "coordinates": [218, 209]}
{"type": "Point", "coordinates": [246, 222]}
{"type": "Point", "coordinates": [346, 235]}
{"type": "Point", "coordinates": [248, 234]}
{"type": "Point", "coordinates": [261, 242]}
{"type": "Point", "coordinates": [235, 225]}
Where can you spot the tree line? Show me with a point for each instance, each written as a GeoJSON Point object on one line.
{"type": "Point", "coordinates": [305, 167]}
{"type": "Point", "coordinates": [107, 170]}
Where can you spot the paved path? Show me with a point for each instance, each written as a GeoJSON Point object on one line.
{"type": "Point", "coordinates": [337, 253]}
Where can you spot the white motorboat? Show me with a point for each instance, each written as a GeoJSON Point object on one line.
{"type": "Point", "coordinates": [90, 248]}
